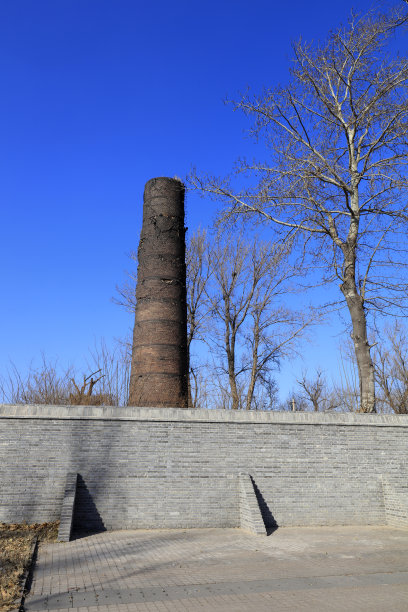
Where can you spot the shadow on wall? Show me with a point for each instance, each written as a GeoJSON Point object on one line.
{"type": "Point", "coordinates": [86, 516]}
{"type": "Point", "coordinates": [269, 520]}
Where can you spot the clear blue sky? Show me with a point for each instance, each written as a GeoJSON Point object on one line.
{"type": "Point", "coordinates": [98, 97]}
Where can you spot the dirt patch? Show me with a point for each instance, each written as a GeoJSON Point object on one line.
{"type": "Point", "coordinates": [16, 542]}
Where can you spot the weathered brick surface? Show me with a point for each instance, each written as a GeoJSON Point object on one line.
{"type": "Point", "coordinates": [180, 468]}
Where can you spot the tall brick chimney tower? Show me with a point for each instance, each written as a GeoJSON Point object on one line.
{"type": "Point", "coordinates": [159, 373]}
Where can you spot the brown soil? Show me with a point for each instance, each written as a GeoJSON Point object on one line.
{"type": "Point", "coordinates": [16, 542]}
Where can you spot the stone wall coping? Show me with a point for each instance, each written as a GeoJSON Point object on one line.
{"type": "Point", "coordinates": [114, 413]}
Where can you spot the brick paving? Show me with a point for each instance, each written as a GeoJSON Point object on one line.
{"type": "Point", "coordinates": [310, 569]}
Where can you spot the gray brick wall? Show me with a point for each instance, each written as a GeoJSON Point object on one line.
{"type": "Point", "coordinates": [157, 468]}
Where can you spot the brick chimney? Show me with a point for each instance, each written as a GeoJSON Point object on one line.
{"type": "Point", "coordinates": [159, 373]}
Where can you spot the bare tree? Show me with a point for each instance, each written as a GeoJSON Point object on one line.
{"type": "Point", "coordinates": [315, 391]}
{"type": "Point", "coordinates": [231, 298]}
{"type": "Point", "coordinates": [198, 273]}
{"type": "Point", "coordinates": [274, 328]}
{"type": "Point", "coordinates": [337, 140]}
{"type": "Point", "coordinates": [391, 369]}
{"type": "Point", "coordinates": [126, 292]}
{"type": "Point", "coordinates": [252, 328]}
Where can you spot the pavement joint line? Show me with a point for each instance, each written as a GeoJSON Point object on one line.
{"type": "Point", "coordinates": [103, 597]}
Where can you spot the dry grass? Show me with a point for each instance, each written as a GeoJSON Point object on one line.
{"type": "Point", "coordinates": [15, 547]}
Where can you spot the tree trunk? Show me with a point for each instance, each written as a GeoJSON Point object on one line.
{"type": "Point", "coordinates": [254, 368]}
{"type": "Point", "coordinates": [230, 350]}
{"type": "Point", "coordinates": [190, 401]}
{"type": "Point", "coordinates": [233, 382]}
{"type": "Point", "coordinates": [365, 364]}
{"type": "Point", "coordinates": [251, 386]}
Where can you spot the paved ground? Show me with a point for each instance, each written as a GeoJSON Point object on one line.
{"type": "Point", "coordinates": [306, 569]}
